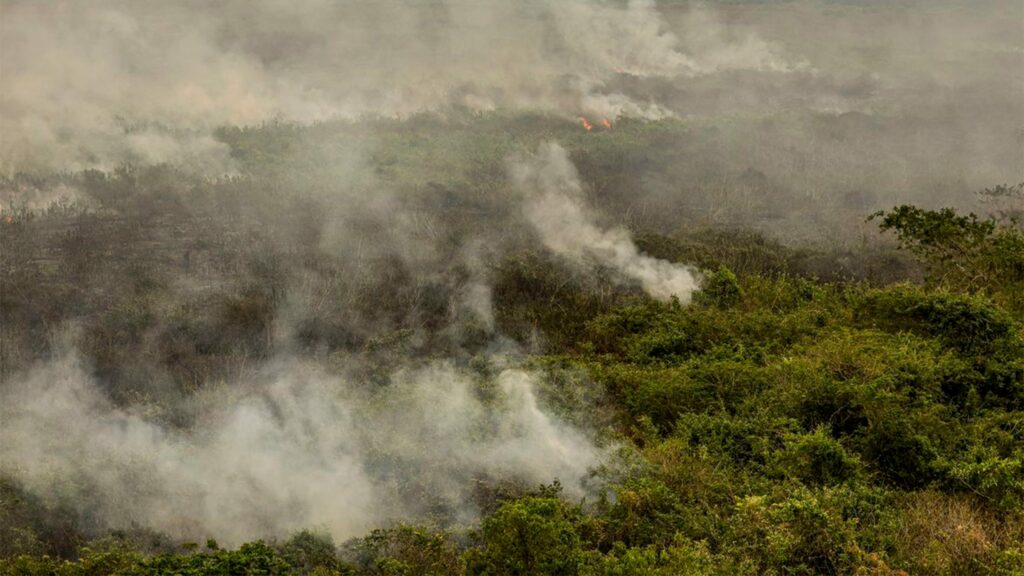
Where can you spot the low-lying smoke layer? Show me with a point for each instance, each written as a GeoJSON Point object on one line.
{"type": "Point", "coordinates": [296, 449]}
{"type": "Point", "coordinates": [554, 205]}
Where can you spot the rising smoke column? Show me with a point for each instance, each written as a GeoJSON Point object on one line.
{"type": "Point", "coordinates": [554, 205]}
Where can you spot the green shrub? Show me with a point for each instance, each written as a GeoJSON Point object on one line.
{"type": "Point", "coordinates": [971, 324]}
{"type": "Point", "coordinates": [744, 441]}
{"type": "Point", "coordinates": [816, 459]}
{"type": "Point", "coordinates": [965, 252]}
{"type": "Point", "coordinates": [646, 512]}
{"type": "Point", "coordinates": [682, 558]}
{"type": "Point", "coordinates": [407, 550]}
{"type": "Point", "coordinates": [252, 559]}
{"type": "Point", "coordinates": [800, 533]}
{"type": "Point", "coordinates": [985, 472]}
{"type": "Point", "coordinates": [307, 551]}
{"type": "Point", "coordinates": [899, 453]}
{"type": "Point", "coordinates": [528, 537]}
{"type": "Point", "coordinates": [720, 288]}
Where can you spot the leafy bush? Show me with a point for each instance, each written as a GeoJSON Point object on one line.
{"type": "Point", "coordinates": [528, 537]}
{"type": "Point", "coordinates": [816, 459]}
{"type": "Point", "coordinates": [970, 324]}
{"type": "Point", "coordinates": [965, 252]}
{"type": "Point", "coordinates": [899, 453]}
{"type": "Point", "coordinates": [254, 558]}
{"type": "Point", "coordinates": [308, 551]}
{"type": "Point", "coordinates": [407, 550]}
{"type": "Point", "coordinates": [720, 288]}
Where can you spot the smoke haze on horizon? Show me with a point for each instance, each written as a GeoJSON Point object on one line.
{"type": "Point", "coordinates": [88, 85]}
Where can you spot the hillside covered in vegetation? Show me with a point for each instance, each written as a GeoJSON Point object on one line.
{"type": "Point", "coordinates": [797, 416]}
{"type": "Point", "coordinates": [512, 288]}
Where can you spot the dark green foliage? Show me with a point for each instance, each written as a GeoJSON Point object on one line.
{"type": "Point", "coordinates": [900, 454]}
{"type": "Point", "coordinates": [744, 442]}
{"type": "Point", "coordinates": [936, 231]}
{"type": "Point", "coordinates": [646, 512]}
{"type": "Point", "coordinates": [966, 252]}
{"type": "Point", "coordinates": [528, 537]}
{"type": "Point", "coordinates": [407, 550]}
{"type": "Point", "coordinates": [720, 288]}
{"type": "Point", "coordinates": [817, 459]}
{"type": "Point", "coordinates": [306, 552]}
{"type": "Point", "coordinates": [252, 559]}
{"type": "Point", "coordinates": [971, 324]}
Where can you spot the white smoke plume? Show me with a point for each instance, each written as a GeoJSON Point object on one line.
{"type": "Point", "coordinates": [554, 205]}
{"type": "Point", "coordinates": [293, 450]}
{"type": "Point", "coordinates": [96, 83]}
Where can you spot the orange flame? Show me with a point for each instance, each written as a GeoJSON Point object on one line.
{"type": "Point", "coordinates": [586, 124]}
{"type": "Point", "coordinates": [606, 123]}
{"type": "Point", "coordinates": [8, 220]}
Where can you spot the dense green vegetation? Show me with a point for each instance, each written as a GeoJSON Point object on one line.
{"type": "Point", "coordinates": [788, 421]}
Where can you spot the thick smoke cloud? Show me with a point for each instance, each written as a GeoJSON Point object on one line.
{"type": "Point", "coordinates": [93, 84]}
{"type": "Point", "coordinates": [294, 448]}
{"type": "Point", "coordinates": [554, 205]}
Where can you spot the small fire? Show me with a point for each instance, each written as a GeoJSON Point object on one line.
{"type": "Point", "coordinates": [586, 124]}
{"type": "Point", "coordinates": [8, 220]}
{"type": "Point", "coordinates": [606, 123]}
